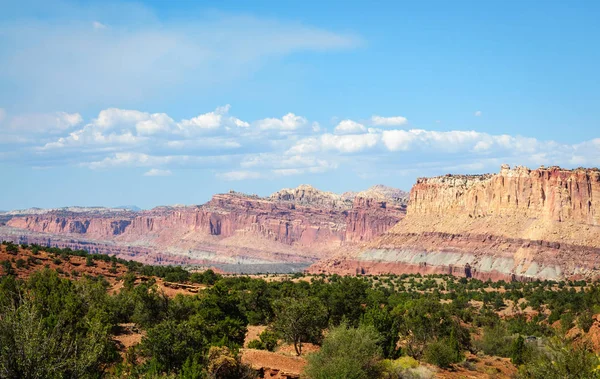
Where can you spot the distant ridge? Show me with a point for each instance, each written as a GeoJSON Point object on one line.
{"type": "Point", "coordinates": [295, 225]}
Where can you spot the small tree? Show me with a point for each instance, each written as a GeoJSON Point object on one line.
{"type": "Point", "coordinates": [299, 320]}
{"type": "Point", "coordinates": [8, 268]}
{"type": "Point", "coordinates": [585, 320]}
{"type": "Point", "coordinates": [517, 351]}
{"type": "Point", "coordinates": [346, 353]}
{"type": "Point", "coordinates": [268, 341]}
{"type": "Point", "coordinates": [223, 364]}
{"type": "Point", "coordinates": [559, 360]}
{"type": "Point", "coordinates": [442, 353]}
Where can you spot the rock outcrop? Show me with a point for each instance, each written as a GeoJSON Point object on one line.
{"type": "Point", "coordinates": [292, 225]}
{"type": "Point", "coordinates": [517, 224]}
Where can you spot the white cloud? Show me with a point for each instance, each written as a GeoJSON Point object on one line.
{"type": "Point", "coordinates": [116, 127]}
{"type": "Point", "coordinates": [210, 120]}
{"type": "Point", "coordinates": [349, 127]}
{"type": "Point", "coordinates": [388, 121]}
{"type": "Point", "coordinates": [143, 56]}
{"type": "Point", "coordinates": [157, 172]}
{"type": "Point", "coordinates": [451, 141]}
{"type": "Point", "coordinates": [478, 113]}
{"type": "Point", "coordinates": [349, 143]}
{"type": "Point", "coordinates": [98, 25]}
{"type": "Point", "coordinates": [289, 122]}
{"type": "Point", "coordinates": [305, 146]}
{"type": "Point", "coordinates": [398, 140]}
{"type": "Point", "coordinates": [238, 150]}
{"type": "Point", "coordinates": [134, 159]}
{"type": "Point", "coordinates": [55, 122]}
{"type": "Point", "coordinates": [239, 175]}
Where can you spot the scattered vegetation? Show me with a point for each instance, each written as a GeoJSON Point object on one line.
{"type": "Point", "coordinates": [62, 323]}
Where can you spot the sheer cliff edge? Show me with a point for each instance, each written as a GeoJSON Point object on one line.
{"type": "Point", "coordinates": [518, 224]}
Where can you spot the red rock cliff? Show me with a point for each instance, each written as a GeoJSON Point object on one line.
{"type": "Point", "coordinates": [519, 223]}
{"type": "Point", "coordinates": [551, 194]}
{"type": "Point", "coordinates": [293, 225]}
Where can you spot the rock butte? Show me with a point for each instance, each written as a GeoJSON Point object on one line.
{"type": "Point", "coordinates": [518, 224]}
{"type": "Point", "coordinates": [293, 225]}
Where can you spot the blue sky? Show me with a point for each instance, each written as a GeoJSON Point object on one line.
{"type": "Point", "coordinates": [150, 103]}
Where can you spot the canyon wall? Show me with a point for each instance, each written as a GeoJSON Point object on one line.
{"type": "Point", "coordinates": [292, 225]}
{"type": "Point", "coordinates": [517, 224]}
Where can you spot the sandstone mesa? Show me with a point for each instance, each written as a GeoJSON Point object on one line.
{"type": "Point", "coordinates": [292, 225]}
{"type": "Point", "coordinates": [517, 224]}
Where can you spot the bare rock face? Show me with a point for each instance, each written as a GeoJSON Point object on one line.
{"type": "Point", "coordinates": [517, 224]}
{"type": "Point", "coordinates": [308, 195]}
{"type": "Point", "coordinates": [292, 225]}
{"type": "Point", "coordinates": [374, 211]}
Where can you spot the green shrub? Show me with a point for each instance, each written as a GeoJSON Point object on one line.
{"type": "Point", "coordinates": [256, 344]}
{"type": "Point", "coordinates": [585, 320]}
{"type": "Point", "coordinates": [566, 322]}
{"type": "Point", "coordinates": [351, 353]}
{"type": "Point", "coordinates": [495, 341]}
{"type": "Point", "coordinates": [7, 268]}
{"type": "Point", "coordinates": [442, 353]}
{"type": "Point", "coordinates": [558, 361]}
{"type": "Point", "coordinates": [20, 263]}
{"type": "Point", "coordinates": [404, 368]}
{"type": "Point", "coordinates": [12, 248]}
{"type": "Point", "coordinates": [57, 330]}
{"type": "Point", "coordinates": [32, 261]}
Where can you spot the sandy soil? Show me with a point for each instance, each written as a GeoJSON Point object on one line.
{"type": "Point", "coordinates": [275, 365]}
{"type": "Point", "coordinates": [253, 332]}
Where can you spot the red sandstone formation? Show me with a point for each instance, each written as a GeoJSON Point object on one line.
{"type": "Point", "coordinates": [520, 223]}
{"type": "Point", "coordinates": [292, 225]}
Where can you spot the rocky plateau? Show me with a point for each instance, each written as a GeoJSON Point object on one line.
{"type": "Point", "coordinates": [518, 224]}
{"type": "Point", "coordinates": [300, 225]}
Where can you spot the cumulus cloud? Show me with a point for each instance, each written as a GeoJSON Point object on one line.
{"type": "Point", "coordinates": [115, 126]}
{"type": "Point", "coordinates": [289, 122]}
{"type": "Point", "coordinates": [349, 127]}
{"type": "Point", "coordinates": [234, 149]}
{"type": "Point", "coordinates": [478, 113]}
{"type": "Point", "coordinates": [349, 143]}
{"type": "Point", "coordinates": [388, 121]}
{"type": "Point", "coordinates": [157, 172]}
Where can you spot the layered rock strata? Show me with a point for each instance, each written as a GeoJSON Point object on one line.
{"type": "Point", "coordinates": [292, 225]}
{"type": "Point", "coordinates": [517, 224]}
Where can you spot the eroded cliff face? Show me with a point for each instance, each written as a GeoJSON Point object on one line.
{"type": "Point", "coordinates": [292, 225]}
{"type": "Point", "coordinates": [551, 194]}
{"type": "Point", "coordinates": [373, 212]}
{"type": "Point", "coordinates": [517, 224]}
